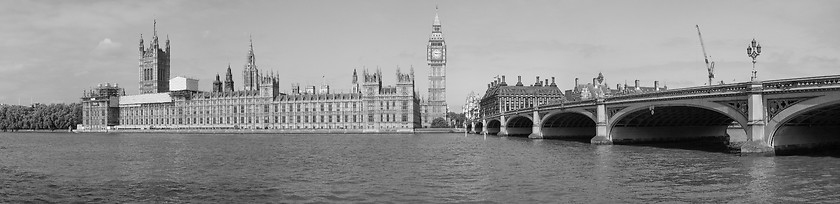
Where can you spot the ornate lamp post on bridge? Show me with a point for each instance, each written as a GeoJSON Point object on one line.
{"type": "Point", "coordinates": [753, 50]}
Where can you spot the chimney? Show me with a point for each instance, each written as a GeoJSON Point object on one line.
{"type": "Point", "coordinates": [576, 82]}
{"type": "Point", "coordinates": [519, 81]}
{"type": "Point", "coordinates": [618, 87]}
{"type": "Point", "coordinates": [656, 85]}
{"type": "Point", "coordinates": [546, 82]}
{"type": "Point", "coordinates": [503, 81]}
{"type": "Point", "coordinates": [637, 84]}
{"type": "Point", "coordinates": [538, 81]}
{"type": "Point", "coordinates": [552, 82]}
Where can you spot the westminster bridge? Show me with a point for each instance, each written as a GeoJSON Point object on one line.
{"type": "Point", "coordinates": [777, 114]}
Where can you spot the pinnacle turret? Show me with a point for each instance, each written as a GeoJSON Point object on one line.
{"type": "Point", "coordinates": [154, 35]}
{"type": "Point", "coordinates": [142, 46]}
{"type": "Point", "coordinates": [167, 43]}
{"type": "Point", "coordinates": [355, 77]}
{"type": "Point", "coordinates": [228, 80]}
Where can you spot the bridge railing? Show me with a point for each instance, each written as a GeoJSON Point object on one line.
{"type": "Point", "coordinates": [802, 82]}
{"type": "Point", "coordinates": [564, 103]}
{"type": "Point", "coordinates": [723, 88]}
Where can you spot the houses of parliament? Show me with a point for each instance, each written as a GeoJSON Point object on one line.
{"type": "Point", "coordinates": [165, 103]}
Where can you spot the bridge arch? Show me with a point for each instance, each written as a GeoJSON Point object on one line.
{"type": "Point", "coordinates": [519, 125]}
{"type": "Point", "coordinates": [493, 126]}
{"type": "Point", "coordinates": [806, 124]}
{"type": "Point", "coordinates": [568, 124]}
{"type": "Point", "coordinates": [674, 121]}
{"type": "Point", "coordinates": [478, 127]}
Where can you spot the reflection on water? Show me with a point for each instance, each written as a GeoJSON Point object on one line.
{"type": "Point", "coordinates": [761, 179]}
{"type": "Point", "coordinates": [423, 168]}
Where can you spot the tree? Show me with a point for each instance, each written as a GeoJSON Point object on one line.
{"type": "Point", "coordinates": [459, 118]}
{"type": "Point", "coordinates": [40, 116]}
{"type": "Point", "coordinates": [440, 123]}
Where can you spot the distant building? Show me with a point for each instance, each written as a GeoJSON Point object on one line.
{"type": "Point", "coordinates": [100, 106]}
{"type": "Point", "coordinates": [500, 97]}
{"type": "Point", "coordinates": [180, 83]}
{"type": "Point", "coordinates": [471, 107]}
{"type": "Point", "coordinates": [369, 107]}
{"type": "Point", "coordinates": [599, 89]}
{"type": "Point", "coordinates": [435, 106]}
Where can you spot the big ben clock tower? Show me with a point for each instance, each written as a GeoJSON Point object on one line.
{"type": "Point", "coordinates": [436, 58]}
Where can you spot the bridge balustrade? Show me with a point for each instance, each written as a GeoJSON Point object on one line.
{"type": "Point", "coordinates": [802, 82]}
{"type": "Point", "coordinates": [739, 87]}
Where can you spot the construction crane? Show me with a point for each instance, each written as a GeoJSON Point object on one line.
{"type": "Point", "coordinates": [710, 65]}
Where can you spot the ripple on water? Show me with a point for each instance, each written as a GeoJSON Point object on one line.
{"type": "Point", "coordinates": [435, 168]}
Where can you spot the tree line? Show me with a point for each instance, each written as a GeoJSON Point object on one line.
{"type": "Point", "coordinates": [40, 117]}
{"type": "Point", "coordinates": [456, 120]}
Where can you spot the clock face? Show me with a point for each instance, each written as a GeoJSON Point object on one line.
{"type": "Point", "coordinates": [436, 54]}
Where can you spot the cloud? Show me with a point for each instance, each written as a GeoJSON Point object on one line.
{"type": "Point", "coordinates": [107, 44]}
{"type": "Point", "coordinates": [107, 48]}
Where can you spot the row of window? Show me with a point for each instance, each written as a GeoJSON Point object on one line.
{"type": "Point", "coordinates": [265, 119]}
{"type": "Point", "coordinates": [138, 111]}
{"type": "Point", "coordinates": [90, 121]}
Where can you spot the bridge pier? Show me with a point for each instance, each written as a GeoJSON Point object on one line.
{"type": "Point", "coordinates": [503, 126]}
{"type": "Point", "coordinates": [601, 134]}
{"type": "Point", "coordinates": [483, 127]}
{"type": "Point", "coordinates": [536, 129]}
{"type": "Point", "coordinates": [757, 140]}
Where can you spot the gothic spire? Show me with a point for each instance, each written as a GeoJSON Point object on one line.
{"type": "Point", "coordinates": [251, 50]}
{"type": "Point", "coordinates": [436, 24]}
{"type": "Point", "coordinates": [229, 75]}
{"type": "Point", "coordinates": [437, 20]}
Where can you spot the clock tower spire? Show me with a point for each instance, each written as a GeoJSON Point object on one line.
{"type": "Point", "coordinates": [436, 58]}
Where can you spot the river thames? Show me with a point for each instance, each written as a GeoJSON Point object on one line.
{"type": "Point", "coordinates": [421, 168]}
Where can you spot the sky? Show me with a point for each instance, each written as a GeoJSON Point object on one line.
{"type": "Point", "coordinates": [50, 51]}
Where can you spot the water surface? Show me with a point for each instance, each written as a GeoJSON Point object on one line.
{"type": "Point", "coordinates": [248, 168]}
